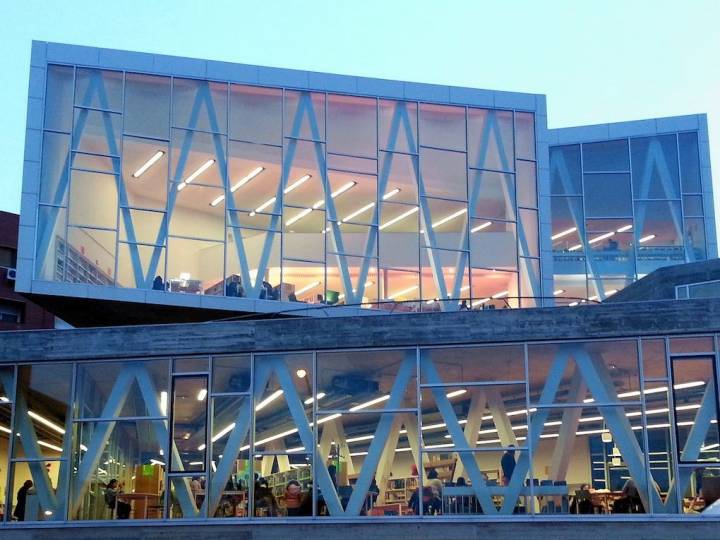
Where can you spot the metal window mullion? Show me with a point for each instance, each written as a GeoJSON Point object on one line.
{"type": "Point", "coordinates": [529, 436]}
{"type": "Point", "coordinates": [632, 207]}
{"type": "Point", "coordinates": [674, 450]}
{"type": "Point", "coordinates": [643, 417]}
{"type": "Point", "coordinates": [11, 448]}
{"type": "Point", "coordinates": [120, 179]}
{"type": "Point", "coordinates": [583, 225]}
{"type": "Point", "coordinates": [251, 434]}
{"type": "Point", "coordinates": [281, 224]}
{"type": "Point", "coordinates": [519, 225]}
{"type": "Point", "coordinates": [418, 422]}
{"type": "Point", "coordinates": [69, 178]}
{"type": "Point", "coordinates": [324, 173]}
{"type": "Point", "coordinates": [226, 191]}
{"type": "Point", "coordinates": [209, 411]}
{"type": "Point", "coordinates": [314, 433]}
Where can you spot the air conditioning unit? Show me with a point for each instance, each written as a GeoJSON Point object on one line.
{"type": "Point", "coordinates": [11, 274]}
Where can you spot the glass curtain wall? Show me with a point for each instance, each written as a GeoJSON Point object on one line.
{"type": "Point", "coordinates": [203, 187]}
{"type": "Point", "coordinates": [621, 209]}
{"type": "Point", "coordinates": [599, 427]}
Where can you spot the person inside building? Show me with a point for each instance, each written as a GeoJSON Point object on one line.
{"type": "Point", "coordinates": [265, 502]}
{"type": "Point", "coordinates": [435, 483]}
{"type": "Point", "coordinates": [507, 464]}
{"type": "Point", "coordinates": [431, 505]}
{"type": "Point", "coordinates": [158, 284]}
{"type": "Point", "coordinates": [630, 501]}
{"type": "Point", "coordinates": [121, 508]}
{"type": "Point", "coordinates": [19, 511]}
{"type": "Point", "coordinates": [293, 498]}
{"type": "Point", "coordinates": [582, 503]}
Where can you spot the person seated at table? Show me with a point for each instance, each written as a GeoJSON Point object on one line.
{"type": "Point", "coordinates": [581, 502]}
{"type": "Point", "coordinates": [265, 502]}
{"type": "Point", "coordinates": [293, 498]}
{"type": "Point", "coordinates": [112, 490]}
{"type": "Point", "coordinates": [630, 501]}
{"type": "Point", "coordinates": [434, 482]}
{"type": "Point", "coordinates": [431, 505]}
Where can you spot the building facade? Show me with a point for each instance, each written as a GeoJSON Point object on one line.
{"type": "Point", "coordinates": [628, 198]}
{"type": "Point", "coordinates": [148, 175]}
{"type": "Point", "coordinates": [185, 416]}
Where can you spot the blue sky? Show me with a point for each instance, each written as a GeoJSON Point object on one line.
{"type": "Point", "coordinates": [596, 61]}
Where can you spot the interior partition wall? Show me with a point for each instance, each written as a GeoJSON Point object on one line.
{"type": "Point", "coordinates": [493, 430]}
{"type": "Point", "coordinates": [205, 187]}
{"type": "Point", "coordinates": [624, 207]}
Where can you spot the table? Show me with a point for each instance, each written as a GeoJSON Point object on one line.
{"type": "Point", "coordinates": [603, 499]}
{"type": "Point", "coordinates": [129, 497]}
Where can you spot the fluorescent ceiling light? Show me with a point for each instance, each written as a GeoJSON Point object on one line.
{"type": "Point", "coordinates": [156, 462]}
{"type": "Point", "coordinates": [573, 304]}
{"type": "Point", "coordinates": [367, 284]}
{"type": "Point", "coordinates": [575, 247]}
{"type": "Point", "coordinates": [610, 292]}
{"type": "Point", "coordinates": [400, 217]}
{"type": "Point", "coordinates": [297, 183]}
{"type": "Point", "coordinates": [201, 395]}
{"type": "Point", "coordinates": [400, 293]}
{"type": "Point", "coordinates": [563, 233]}
{"type": "Point", "coordinates": [272, 397]}
{"type": "Point", "coordinates": [465, 288]}
{"type": "Point", "coordinates": [357, 212]}
{"type": "Point", "coordinates": [46, 422]}
{"type": "Point", "coordinates": [195, 463]}
{"type": "Point", "coordinates": [601, 237]}
{"type": "Point", "coordinates": [449, 218]}
{"type": "Point", "coordinates": [369, 403]}
{"type": "Point", "coordinates": [593, 298]}
{"type": "Point", "coordinates": [359, 438]}
{"type": "Point", "coordinates": [319, 396]}
{"type": "Point", "coordinates": [5, 430]}
{"type": "Point", "coordinates": [50, 446]}
{"type": "Point", "coordinates": [625, 228]}
{"type": "Point", "coordinates": [217, 200]}
{"type": "Point", "coordinates": [501, 294]}
{"type": "Point", "coordinates": [558, 291]}
{"type": "Point", "coordinates": [149, 163]}
{"type": "Point", "coordinates": [479, 302]}
{"type": "Point", "coordinates": [163, 403]}
{"type": "Point", "coordinates": [201, 169]}
{"type": "Point", "coordinates": [298, 216]}
{"type": "Point", "coordinates": [481, 227]}
{"type": "Point", "coordinates": [264, 205]}
{"type": "Point", "coordinates": [342, 189]}
{"type": "Point", "coordinates": [647, 238]}
{"type": "Point", "coordinates": [308, 287]}
{"type": "Point", "coordinates": [456, 393]}
{"type": "Point", "coordinates": [245, 179]}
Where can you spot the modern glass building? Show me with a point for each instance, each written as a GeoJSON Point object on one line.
{"type": "Point", "coordinates": [148, 176]}
{"type": "Point", "coordinates": [164, 189]}
{"type": "Point", "coordinates": [628, 198]}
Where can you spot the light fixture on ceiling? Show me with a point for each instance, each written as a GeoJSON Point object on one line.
{"type": "Point", "coordinates": [558, 291]}
{"type": "Point", "coordinates": [481, 227]}
{"type": "Point", "coordinates": [368, 206]}
{"type": "Point", "coordinates": [646, 238]}
{"type": "Point", "coordinates": [369, 403]}
{"type": "Point", "coordinates": [480, 302]}
{"type": "Point", "coordinates": [575, 247]}
{"type": "Point", "coordinates": [201, 169]}
{"type": "Point", "coordinates": [272, 397]}
{"type": "Point", "coordinates": [601, 237]}
{"type": "Point", "coordinates": [307, 288]}
{"type": "Point", "coordinates": [456, 393]}
{"type": "Point", "coordinates": [319, 396]}
{"type": "Point", "coordinates": [399, 218]}
{"type": "Point", "coordinates": [164, 403]}
{"type": "Point", "coordinates": [264, 205]}
{"type": "Point", "coordinates": [240, 183]}
{"type": "Point", "coordinates": [449, 218]}
{"type": "Point", "coordinates": [367, 284]}
{"type": "Point", "coordinates": [298, 216]}
{"type": "Point", "coordinates": [297, 183]}
{"type": "Point", "coordinates": [401, 293]}
{"type": "Point", "coordinates": [339, 191]}
{"type": "Point", "coordinates": [46, 422]}
{"type": "Point", "coordinates": [301, 373]}
{"type": "Point", "coordinates": [201, 394]}
{"type": "Point", "coordinates": [149, 163]}
{"type": "Point", "coordinates": [625, 228]}
{"type": "Point", "coordinates": [501, 294]}
{"type": "Point", "coordinates": [559, 235]}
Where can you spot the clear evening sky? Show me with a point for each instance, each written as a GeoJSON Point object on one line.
{"type": "Point", "coordinates": [597, 61]}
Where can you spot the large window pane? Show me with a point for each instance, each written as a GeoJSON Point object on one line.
{"type": "Point", "coordinates": [493, 195]}
{"type": "Point", "coordinates": [442, 126]}
{"type": "Point", "coordinates": [303, 281]}
{"type": "Point", "coordinates": [659, 235]}
{"type": "Point", "coordinates": [145, 172]}
{"type": "Point", "coordinates": [194, 266]}
{"type": "Point", "coordinates": [524, 135]}
{"type": "Point", "coordinates": [251, 243]}
{"type": "Point", "coordinates": [655, 167]}
{"type": "Point", "coordinates": [689, 163]}
{"type": "Point", "coordinates": [608, 195]}
{"type": "Point", "coordinates": [193, 214]}
{"type": "Point", "coordinates": [490, 139]}
{"type": "Point", "coordinates": [352, 125]}
{"type": "Point", "coordinates": [254, 175]}
{"type": "Point", "coordinates": [99, 89]}
{"type": "Point", "coordinates": [51, 246]}
{"type": "Point", "coordinates": [493, 244]}
{"type": "Point", "coordinates": [91, 256]}
{"type": "Point", "coordinates": [305, 115]}
{"type": "Point", "coordinates": [606, 156]}
{"type": "Point", "coordinates": [97, 132]}
{"type": "Point", "coordinates": [256, 114]}
{"type": "Point", "coordinates": [443, 173]}
{"type": "Point", "coordinates": [93, 199]}
{"type": "Point", "coordinates": [199, 105]}
{"type": "Point", "coordinates": [189, 423]}
{"type": "Point", "coordinates": [398, 126]}
{"type": "Point", "coordinates": [54, 174]}
{"type": "Point", "coordinates": [147, 105]}
{"type": "Point", "coordinates": [565, 170]}
{"type": "Point", "coordinates": [59, 98]}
